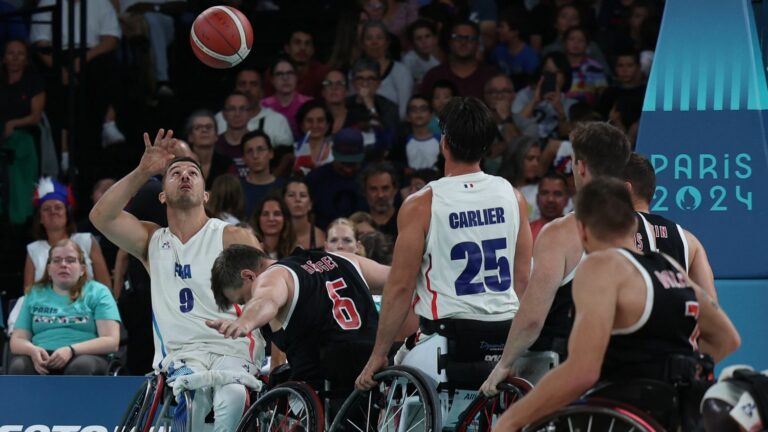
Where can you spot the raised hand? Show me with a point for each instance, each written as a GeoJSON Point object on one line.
{"type": "Point", "coordinates": [158, 154]}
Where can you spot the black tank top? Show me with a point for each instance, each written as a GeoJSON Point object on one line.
{"type": "Point", "coordinates": [332, 308]}
{"type": "Point", "coordinates": [668, 325]}
{"type": "Point", "coordinates": [559, 322]}
{"type": "Point", "coordinates": [667, 235]}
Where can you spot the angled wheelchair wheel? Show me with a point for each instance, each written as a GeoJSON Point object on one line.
{"type": "Point", "coordinates": [404, 400]}
{"type": "Point", "coordinates": [141, 411]}
{"type": "Point", "coordinates": [482, 414]}
{"type": "Point", "coordinates": [596, 416]}
{"type": "Point", "coordinates": [292, 406]}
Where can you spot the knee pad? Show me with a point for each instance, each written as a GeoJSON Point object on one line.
{"type": "Point", "coordinates": [716, 416]}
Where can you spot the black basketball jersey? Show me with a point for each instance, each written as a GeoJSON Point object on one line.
{"type": "Point", "coordinates": [668, 325]}
{"type": "Point", "coordinates": [332, 308]}
{"type": "Point", "coordinates": [667, 236]}
{"type": "Point", "coordinates": [559, 322]}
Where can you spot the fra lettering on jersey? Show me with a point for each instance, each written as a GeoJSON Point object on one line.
{"type": "Point", "coordinates": [183, 271]}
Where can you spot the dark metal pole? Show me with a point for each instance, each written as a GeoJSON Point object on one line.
{"type": "Point", "coordinates": [71, 90]}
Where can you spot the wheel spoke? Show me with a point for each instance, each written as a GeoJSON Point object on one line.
{"type": "Point", "coordinates": [613, 421]}
{"type": "Point", "coordinates": [570, 425]}
{"type": "Point", "coordinates": [399, 409]}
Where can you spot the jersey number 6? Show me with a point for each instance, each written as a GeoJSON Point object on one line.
{"type": "Point", "coordinates": [344, 309]}
{"type": "Point", "coordinates": [478, 257]}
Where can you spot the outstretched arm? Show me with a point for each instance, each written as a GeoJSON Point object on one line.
{"type": "Point", "coordinates": [108, 216]}
{"type": "Point", "coordinates": [271, 291]}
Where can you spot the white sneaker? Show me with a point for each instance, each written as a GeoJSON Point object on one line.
{"type": "Point", "coordinates": [110, 134]}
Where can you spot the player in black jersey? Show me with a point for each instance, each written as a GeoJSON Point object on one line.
{"type": "Point", "coordinates": [313, 305]}
{"type": "Point", "coordinates": [657, 233]}
{"type": "Point", "coordinates": [633, 312]}
{"type": "Point", "coordinates": [545, 317]}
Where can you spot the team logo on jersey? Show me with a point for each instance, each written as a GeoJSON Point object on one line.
{"type": "Point", "coordinates": [165, 245]}
{"type": "Point", "coordinates": [469, 185]}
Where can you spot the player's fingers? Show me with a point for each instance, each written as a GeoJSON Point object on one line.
{"type": "Point", "coordinates": [147, 142]}
{"type": "Point", "coordinates": [214, 324]}
{"type": "Point", "coordinates": [159, 136]}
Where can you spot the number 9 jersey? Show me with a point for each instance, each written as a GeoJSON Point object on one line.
{"type": "Point", "coordinates": [468, 264]}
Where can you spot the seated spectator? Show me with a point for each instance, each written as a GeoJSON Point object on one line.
{"type": "Point", "coordinates": [498, 94]}
{"type": "Point", "coordinates": [257, 153]}
{"type": "Point", "coordinates": [542, 111]}
{"type": "Point", "coordinates": [395, 81]}
{"type": "Point", "coordinates": [421, 147]}
{"type": "Point", "coordinates": [569, 16]}
{"type": "Point", "coordinates": [462, 68]}
{"type": "Point", "coordinates": [225, 200]}
{"type": "Point", "coordinates": [520, 166]}
{"type": "Point", "coordinates": [416, 181]}
{"type": "Point", "coordinates": [286, 100]}
{"type": "Point", "coordinates": [588, 77]}
{"type": "Point", "coordinates": [397, 15]}
{"type": "Point", "coordinates": [363, 222]}
{"type": "Point", "coordinates": [373, 114]}
{"type": "Point", "coordinates": [512, 55]}
{"type": "Point", "coordinates": [333, 188]}
{"type": "Point", "coordinates": [272, 223]}
{"type": "Point", "coordinates": [274, 124]}
{"type": "Point", "coordinates": [314, 148]}
{"type": "Point", "coordinates": [440, 93]}
{"type": "Point", "coordinates": [300, 49]}
{"type": "Point", "coordinates": [380, 184]}
{"type": "Point", "coordinates": [68, 323]}
{"type": "Point", "coordinates": [52, 223]}
{"type": "Point", "coordinates": [296, 196]}
{"type": "Point", "coordinates": [341, 237]}
{"type": "Point", "coordinates": [237, 108]}
{"type": "Point", "coordinates": [378, 247]}
{"type": "Point", "coordinates": [422, 35]}
{"type": "Point", "coordinates": [335, 98]}
{"type": "Point", "coordinates": [628, 81]}
{"type": "Point", "coordinates": [22, 100]}
{"type": "Point", "coordinates": [625, 115]}
{"type": "Point", "coordinates": [201, 136]}
{"type": "Point", "coordinates": [552, 199]}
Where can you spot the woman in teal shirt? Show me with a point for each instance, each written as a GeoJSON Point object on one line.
{"type": "Point", "coordinates": [68, 324]}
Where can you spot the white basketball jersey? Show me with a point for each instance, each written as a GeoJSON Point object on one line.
{"type": "Point", "coordinates": [467, 270]}
{"type": "Point", "coordinates": [182, 299]}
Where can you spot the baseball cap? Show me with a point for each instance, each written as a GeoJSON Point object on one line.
{"type": "Point", "coordinates": [348, 146]}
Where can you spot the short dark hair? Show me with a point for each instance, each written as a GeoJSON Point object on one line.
{"type": "Point", "coordinates": [225, 273]}
{"type": "Point", "coordinates": [444, 83]}
{"type": "Point", "coordinates": [577, 28]}
{"type": "Point", "coordinates": [422, 97]}
{"type": "Point", "coordinates": [592, 203]}
{"type": "Point", "coordinates": [639, 172]}
{"type": "Point", "coordinates": [605, 148]}
{"type": "Point", "coordinates": [513, 18]}
{"type": "Point", "coordinates": [197, 114]}
{"type": "Point", "coordinates": [419, 24]}
{"type": "Point", "coordinates": [298, 29]}
{"type": "Point", "coordinates": [627, 52]}
{"type": "Point", "coordinates": [466, 23]}
{"type": "Point", "coordinates": [257, 133]}
{"type": "Point", "coordinates": [469, 128]}
{"type": "Point", "coordinates": [283, 59]}
{"type": "Point", "coordinates": [554, 175]}
{"type": "Point", "coordinates": [560, 60]}
{"type": "Point", "coordinates": [364, 64]}
{"type": "Point", "coordinates": [376, 169]}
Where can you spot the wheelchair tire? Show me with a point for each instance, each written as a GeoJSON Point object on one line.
{"type": "Point", "coordinates": [480, 416]}
{"type": "Point", "coordinates": [141, 410]}
{"type": "Point", "coordinates": [399, 384]}
{"type": "Point", "coordinates": [282, 404]}
{"type": "Point", "coordinates": [596, 415]}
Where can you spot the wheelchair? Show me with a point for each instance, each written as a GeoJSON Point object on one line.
{"type": "Point", "coordinates": [154, 408]}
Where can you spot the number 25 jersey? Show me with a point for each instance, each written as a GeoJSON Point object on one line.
{"type": "Point", "coordinates": [468, 263]}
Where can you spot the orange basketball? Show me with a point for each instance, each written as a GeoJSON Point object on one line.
{"type": "Point", "coordinates": [221, 37]}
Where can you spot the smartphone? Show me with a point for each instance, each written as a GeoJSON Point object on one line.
{"type": "Point", "coordinates": [549, 84]}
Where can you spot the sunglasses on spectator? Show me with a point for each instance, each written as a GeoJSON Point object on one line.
{"type": "Point", "coordinates": [68, 260]}
{"type": "Point", "coordinates": [464, 38]}
{"type": "Point", "coordinates": [329, 83]}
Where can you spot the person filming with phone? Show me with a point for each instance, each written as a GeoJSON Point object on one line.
{"type": "Point", "coordinates": [541, 109]}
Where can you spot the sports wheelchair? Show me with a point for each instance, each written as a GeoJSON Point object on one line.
{"type": "Point", "coordinates": [154, 407]}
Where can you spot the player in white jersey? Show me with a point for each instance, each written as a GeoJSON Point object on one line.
{"type": "Point", "coordinates": [546, 311]}
{"type": "Point", "coordinates": [464, 247]}
{"type": "Point", "coordinates": [179, 259]}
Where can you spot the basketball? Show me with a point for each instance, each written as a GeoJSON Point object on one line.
{"type": "Point", "coordinates": [221, 37]}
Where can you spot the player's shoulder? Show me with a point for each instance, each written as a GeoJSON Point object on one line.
{"type": "Point", "coordinates": [560, 229]}
{"type": "Point", "coordinates": [234, 234]}
{"type": "Point", "coordinates": [612, 263]}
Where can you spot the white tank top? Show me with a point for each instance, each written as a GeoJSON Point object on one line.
{"type": "Point", "coordinates": [182, 299]}
{"type": "Point", "coordinates": [467, 270]}
{"type": "Point", "coordinates": [38, 253]}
